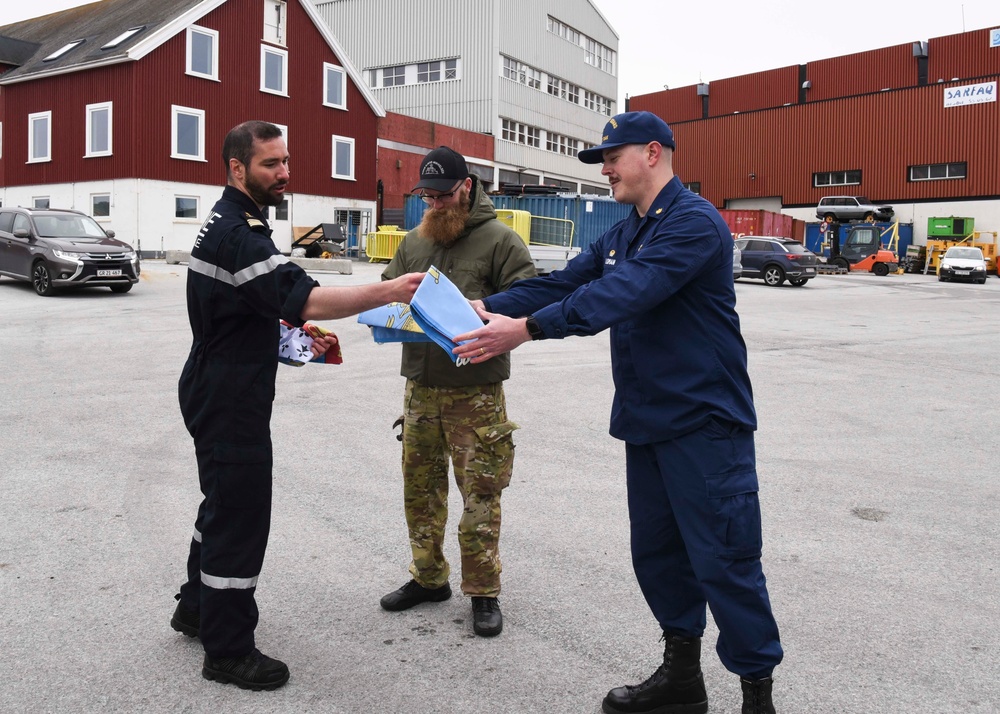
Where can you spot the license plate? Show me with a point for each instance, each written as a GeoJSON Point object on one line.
{"type": "Point", "coordinates": [109, 273]}
{"type": "Point", "coordinates": [810, 270]}
{"type": "Point", "coordinates": [963, 272]}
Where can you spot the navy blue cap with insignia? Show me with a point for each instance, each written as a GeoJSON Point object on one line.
{"type": "Point", "coordinates": [629, 128]}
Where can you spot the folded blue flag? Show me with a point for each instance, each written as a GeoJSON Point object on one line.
{"type": "Point", "coordinates": [438, 310]}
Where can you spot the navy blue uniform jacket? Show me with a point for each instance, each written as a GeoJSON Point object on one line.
{"type": "Point", "coordinates": [238, 287]}
{"type": "Point", "coordinates": [663, 283]}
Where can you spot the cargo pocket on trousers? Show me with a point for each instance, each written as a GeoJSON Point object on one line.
{"type": "Point", "coordinates": [493, 463]}
{"type": "Point", "coordinates": [244, 474]}
{"type": "Point", "coordinates": [733, 496]}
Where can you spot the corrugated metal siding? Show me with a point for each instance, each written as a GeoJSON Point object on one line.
{"type": "Point", "coordinates": [880, 134]}
{"type": "Point", "coordinates": [890, 67]}
{"type": "Point", "coordinates": [760, 90]}
{"type": "Point", "coordinates": [965, 56]}
{"type": "Point", "coordinates": [674, 105]}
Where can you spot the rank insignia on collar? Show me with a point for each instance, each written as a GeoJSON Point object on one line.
{"type": "Point", "coordinates": [659, 211]}
{"type": "Point", "coordinates": [611, 254]}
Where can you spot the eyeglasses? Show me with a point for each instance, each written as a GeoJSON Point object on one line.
{"type": "Point", "coordinates": [429, 200]}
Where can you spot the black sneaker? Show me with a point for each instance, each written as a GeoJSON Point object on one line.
{"type": "Point", "coordinates": [254, 671]}
{"type": "Point", "coordinates": [486, 618]}
{"type": "Point", "coordinates": [413, 593]}
{"type": "Point", "coordinates": [185, 620]}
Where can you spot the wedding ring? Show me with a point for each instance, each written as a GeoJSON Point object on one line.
{"type": "Point", "coordinates": [482, 350]}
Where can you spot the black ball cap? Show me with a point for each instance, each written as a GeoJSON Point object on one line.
{"type": "Point", "coordinates": [441, 169]}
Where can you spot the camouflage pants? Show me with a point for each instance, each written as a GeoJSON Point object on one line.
{"type": "Point", "coordinates": [470, 425]}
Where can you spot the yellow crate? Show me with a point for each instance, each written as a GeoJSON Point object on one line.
{"type": "Point", "coordinates": [520, 221]}
{"type": "Point", "coordinates": [381, 245]}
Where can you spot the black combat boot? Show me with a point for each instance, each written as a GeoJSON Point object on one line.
{"type": "Point", "coordinates": [677, 687]}
{"type": "Point", "coordinates": [254, 671]}
{"type": "Point", "coordinates": [185, 620]}
{"type": "Point", "coordinates": [413, 593]}
{"type": "Point", "coordinates": [757, 695]}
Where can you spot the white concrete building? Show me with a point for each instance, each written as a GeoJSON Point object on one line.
{"type": "Point", "coordinates": [540, 76]}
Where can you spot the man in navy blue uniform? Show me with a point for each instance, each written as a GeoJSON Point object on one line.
{"type": "Point", "coordinates": [662, 281]}
{"type": "Point", "coordinates": [238, 288]}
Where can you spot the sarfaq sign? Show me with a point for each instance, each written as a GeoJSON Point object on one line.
{"type": "Point", "coordinates": [970, 94]}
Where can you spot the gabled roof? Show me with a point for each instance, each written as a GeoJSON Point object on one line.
{"type": "Point", "coordinates": [27, 44]}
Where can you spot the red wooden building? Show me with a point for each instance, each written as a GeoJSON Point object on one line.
{"type": "Point", "coordinates": [119, 108]}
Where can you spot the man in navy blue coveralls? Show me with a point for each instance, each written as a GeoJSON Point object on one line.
{"type": "Point", "coordinates": [238, 287]}
{"type": "Point", "coordinates": [661, 280]}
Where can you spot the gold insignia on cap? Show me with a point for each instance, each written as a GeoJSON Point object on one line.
{"type": "Point", "coordinates": [604, 138]}
{"type": "Point", "coordinates": [613, 123]}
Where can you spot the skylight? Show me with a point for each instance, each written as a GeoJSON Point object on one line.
{"type": "Point", "coordinates": [131, 32]}
{"type": "Point", "coordinates": [62, 50]}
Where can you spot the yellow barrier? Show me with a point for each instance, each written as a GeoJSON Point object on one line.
{"type": "Point", "coordinates": [381, 245]}
{"type": "Point", "coordinates": [519, 221]}
{"type": "Point", "coordinates": [937, 248]}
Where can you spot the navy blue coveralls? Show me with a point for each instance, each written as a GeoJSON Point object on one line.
{"type": "Point", "coordinates": [683, 406]}
{"type": "Point", "coordinates": [238, 287]}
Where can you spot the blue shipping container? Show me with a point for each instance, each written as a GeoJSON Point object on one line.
{"type": "Point", "coordinates": [814, 241]}
{"type": "Point", "coordinates": [591, 217]}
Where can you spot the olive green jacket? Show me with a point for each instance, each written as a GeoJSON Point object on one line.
{"type": "Point", "coordinates": [487, 258]}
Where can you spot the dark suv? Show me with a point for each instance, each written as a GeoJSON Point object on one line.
{"type": "Point", "coordinates": [851, 208]}
{"type": "Point", "coordinates": [775, 259]}
{"type": "Point", "coordinates": [55, 248]}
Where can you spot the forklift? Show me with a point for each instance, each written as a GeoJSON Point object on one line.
{"type": "Point", "coordinates": [857, 247]}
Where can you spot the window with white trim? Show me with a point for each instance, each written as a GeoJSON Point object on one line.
{"type": "Point", "coordinates": [939, 172]}
{"type": "Point", "coordinates": [564, 90]}
{"type": "Point", "coordinates": [187, 133]}
{"type": "Point", "coordinates": [39, 137]}
{"type": "Point", "coordinates": [273, 70]}
{"type": "Point", "coordinates": [100, 205]}
{"type": "Point", "coordinates": [597, 103]}
{"type": "Point", "coordinates": [343, 157]}
{"type": "Point", "coordinates": [284, 132]}
{"type": "Point", "coordinates": [521, 133]}
{"type": "Point", "coordinates": [202, 52]}
{"type": "Point", "coordinates": [98, 130]}
{"type": "Point", "coordinates": [334, 86]}
{"type": "Point", "coordinates": [393, 76]}
{"type": "Point", "coordinates": [417, 73]}
{"type": "Point", "coordinates": [559, 144]}
{"type": "Point", "coordinates": [1, 141]}
{"type": "Point", "coordinates": [275, 14]}
{"type": "Point", "coordinates": [186, 207]}
{"type": "Point", "coordinates": [40, 202]}
{"type": "Point", "coordinates": [836, 178]}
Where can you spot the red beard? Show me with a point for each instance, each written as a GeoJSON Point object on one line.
{"type": "Point", "coordinates": [443, 226]}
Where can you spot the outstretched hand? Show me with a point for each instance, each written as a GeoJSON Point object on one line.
{"type": "Point", "coordinates": [500, 334]}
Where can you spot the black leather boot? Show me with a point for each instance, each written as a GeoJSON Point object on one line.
{"type": "Point", "coordinates": [677, 687]}
{"type": "Point", "coordinates": [757, 695]}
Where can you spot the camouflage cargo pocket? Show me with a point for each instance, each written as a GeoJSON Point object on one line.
{"type": "Point", "coordinates": [493, 463]}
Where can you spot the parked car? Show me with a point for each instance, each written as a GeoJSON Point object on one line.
{"type": "Point", "coordinates": [737, 262]}
{"type": "Point", "coordinates": [962, 263]}
{"type": "Point", "coordinates": [852, 208]}
{"type": "Point", "coordinates": [775, 259]}
{"type": "Point", "coordinates": [57, 248]}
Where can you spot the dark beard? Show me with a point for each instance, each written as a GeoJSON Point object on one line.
{"type": "Point", "coordinates": [262, 195]}
{"type": "Point", "coordinates": [443, 226]}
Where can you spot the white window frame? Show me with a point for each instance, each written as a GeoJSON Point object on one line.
{"type": "Point", "coordinates": [336, 141]}
{"type": "Point", "coordinates": [197, 209]}
{"type": "Point", "coordinates": [32, 118]}
{"type": "Point", "coordinates": [284, 132]}
{"type": "Point", "coordinates": [266, 50]}
{"type": "Point", "coordinates": [1, 139]}
{"type": "Point", "coordinates": [94, 196]}
{"type": "Point", "coordinates": [329, 68]}
{"type": "Point", "coordinates": [214, 34]}
{"type": "Point", "coordinates": [175, 112]}
{"type": "Point", "coordinates": [41, 202]}
{"type": "Point", "coordinates": [277, 33]}
{"type": "Point", "coordinates": [91, 110]}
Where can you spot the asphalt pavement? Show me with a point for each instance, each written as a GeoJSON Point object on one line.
{"type": "Point", "coordinates": [877, 453]}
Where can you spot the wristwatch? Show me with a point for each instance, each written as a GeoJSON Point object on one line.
{"type": "Point", "coordinates": [534, 329]}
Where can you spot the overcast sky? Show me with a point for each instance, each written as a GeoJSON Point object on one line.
{"type": "Point", "coordinates": [666, 42]}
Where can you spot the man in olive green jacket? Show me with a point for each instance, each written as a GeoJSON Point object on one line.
{"type": "Point", "coordinates": [456, 411]}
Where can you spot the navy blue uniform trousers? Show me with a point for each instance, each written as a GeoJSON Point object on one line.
{"type": "Point", "coordinates": [696, 539]}
{"type": "Point", "coordinates": [233, 446]}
